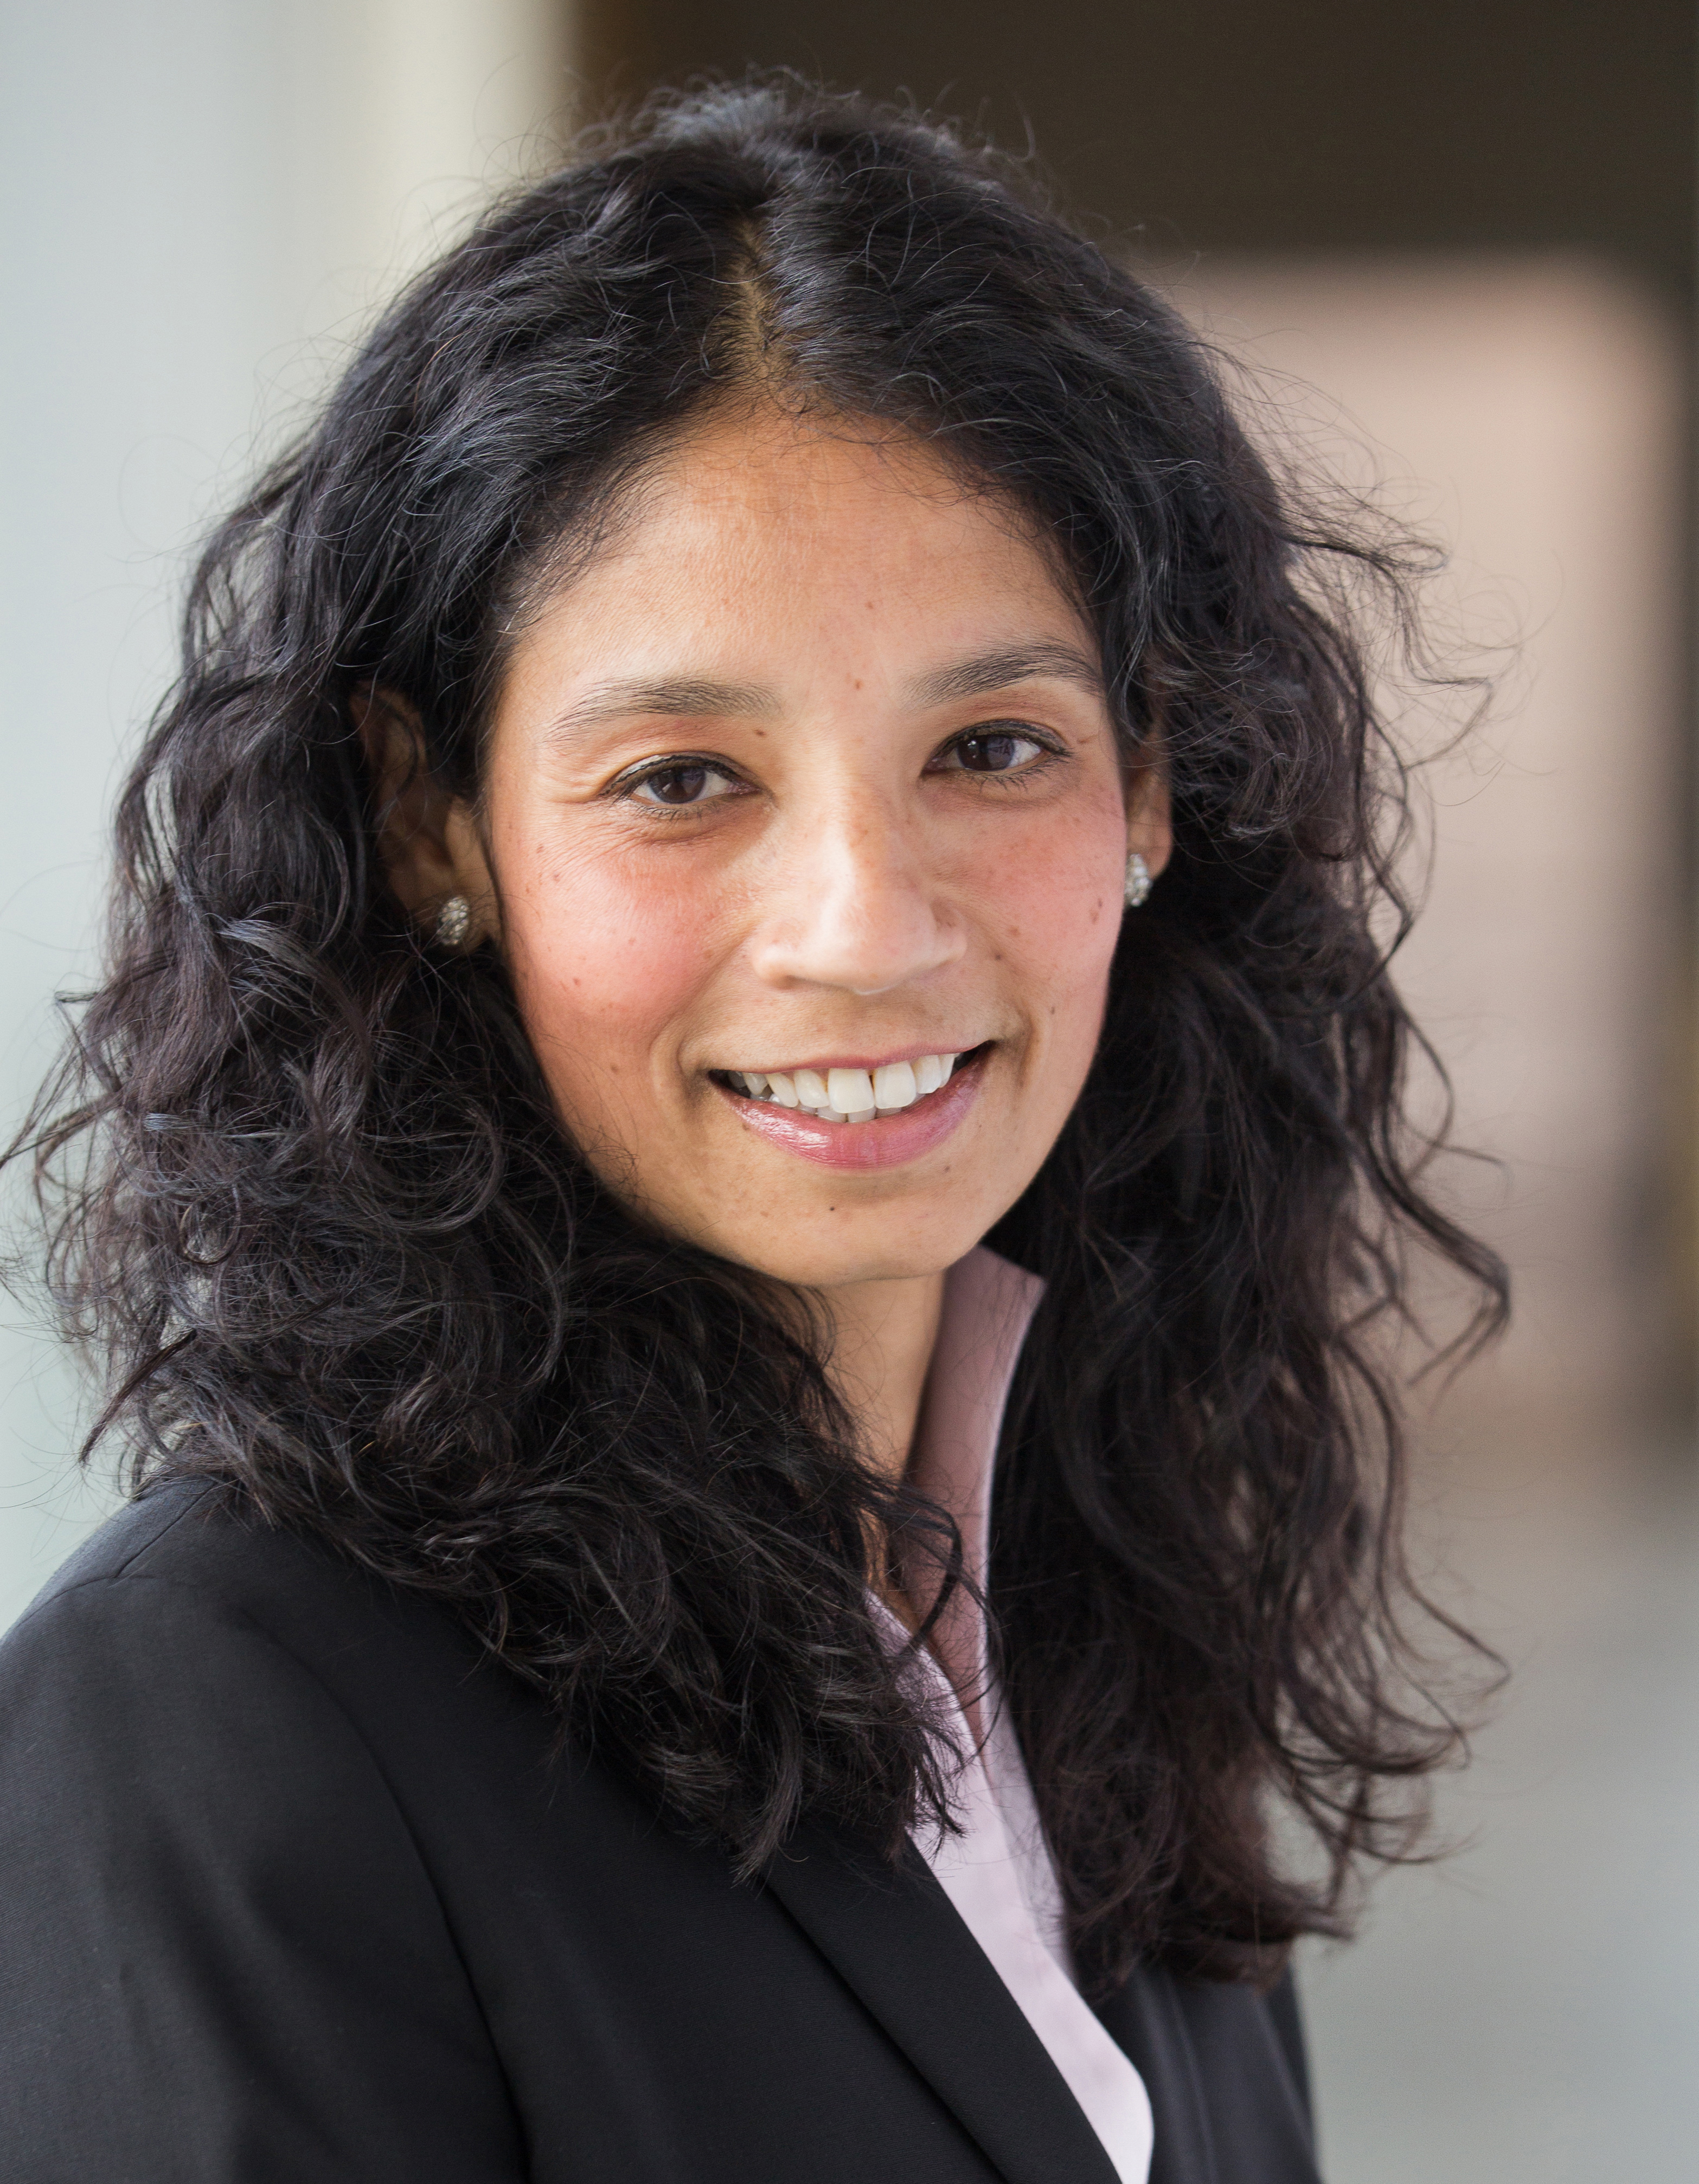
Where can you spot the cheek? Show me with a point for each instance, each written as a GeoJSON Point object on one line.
{"type": "Point", "coordinates": [1058, 891]}
{"type": "Point", "coordinates": [604, 969]}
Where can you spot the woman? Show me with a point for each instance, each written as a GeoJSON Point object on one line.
{"type": "Point", "coordinates": [757, 892]}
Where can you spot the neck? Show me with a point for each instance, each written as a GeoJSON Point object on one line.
{"type": "Point", "coordinates": [883, 1334]}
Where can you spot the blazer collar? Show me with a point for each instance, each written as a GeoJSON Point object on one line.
{"type": "Point", "coordinates": [897, 1941]}
{"type": "Point", "coordinates": [1226, 2107]}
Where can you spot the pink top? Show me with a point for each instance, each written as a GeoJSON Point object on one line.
{"type": "Point", "coordinates": [998, 1871]}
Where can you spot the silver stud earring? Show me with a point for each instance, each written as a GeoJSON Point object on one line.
{"type": "Point", "coordinates": [454, 921]}
{"type": "Point", "coordinates": [1138, 881]}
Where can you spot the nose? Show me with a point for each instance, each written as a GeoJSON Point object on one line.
{"type": "Point", "coordinates": [855, 905]}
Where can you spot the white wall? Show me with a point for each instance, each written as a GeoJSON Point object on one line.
{"type": "Point", "coordinates": [202, 201]}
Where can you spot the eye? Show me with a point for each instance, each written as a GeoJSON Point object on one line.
{"type": "Point", "coordinates": [998, 747]}
{"type": "Point", "coordinates": [680, 782]}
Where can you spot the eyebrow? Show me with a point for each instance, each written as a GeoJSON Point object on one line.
{"type": "Point", "coordinates": [684, 697]}
{"type": "Point", "coordinates": [995, 670]}
{"type": "Point", "coordinates": [678, 696]}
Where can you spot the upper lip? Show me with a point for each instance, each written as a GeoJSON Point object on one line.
{"type": "Point", "coordinates": [854, 1061]}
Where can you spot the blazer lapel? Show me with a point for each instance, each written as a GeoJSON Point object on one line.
{"type": "Point", "coordinates": [1144, 2019]}
{"type": "Point", "coordinates": [898, 1942]}
{"type": "Point", "coordinates": [1226, 2102]}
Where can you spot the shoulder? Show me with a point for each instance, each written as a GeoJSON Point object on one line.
{"type": "Point", "coordinates": [193, 1726]}
{"type": "Point", "coordinates": [219, 1934]}
{"type": "Point", "coordinates": [163, 1643]}
{"type": "Point", "coordinates": [190, 1654]}
{"type": "Point", "coordinates": [200, 1541]}
{"type": "Point", "coordinates": [187, 1565]}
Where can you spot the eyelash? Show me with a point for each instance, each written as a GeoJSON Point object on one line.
{"type": "Point", "coordinates": [1048, 749]}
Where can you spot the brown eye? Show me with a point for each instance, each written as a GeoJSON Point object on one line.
{"type": "Point", "coordinates": [681, 784]}
{"type": "Point", "coordinates": [992, 754]}
{"type": "Point", "coordinates": [992, 750]}
{"type": "Point", "coordinates": [688, 781]}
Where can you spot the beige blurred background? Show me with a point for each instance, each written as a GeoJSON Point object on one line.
{"type": "Point", "coordinates": [1450, 250]}
{"type": "Point", "coordinates": [1525, 412]}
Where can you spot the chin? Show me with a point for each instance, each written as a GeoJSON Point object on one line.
{"type": "Point", "coordinates": [868, 1256]}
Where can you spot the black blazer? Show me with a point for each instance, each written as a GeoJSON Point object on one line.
{"type": "Point", "coordinates": [290, 1889]}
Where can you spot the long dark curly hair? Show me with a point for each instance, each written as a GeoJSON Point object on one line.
{"type": "Point", "coordinates": [310, 1203]}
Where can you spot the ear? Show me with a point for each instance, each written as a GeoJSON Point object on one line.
{"type": "Point", "coordinates": [428, 840]}
{"type": "Point", "coordinates": [1150, 815]}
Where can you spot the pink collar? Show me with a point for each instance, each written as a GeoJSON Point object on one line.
{"type": "Point", "coordinates": [994, 1867]}
{"type": "Point", "coordinates": [988, 1304]}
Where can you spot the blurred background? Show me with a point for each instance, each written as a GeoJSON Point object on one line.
{"type": "Point", "coordinates": [1449, 252]}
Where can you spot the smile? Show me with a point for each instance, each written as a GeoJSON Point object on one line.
{"type": "Point", "coordinates": [902, 1109]}
{"type": "Point", "coordinates": [848, 1095]}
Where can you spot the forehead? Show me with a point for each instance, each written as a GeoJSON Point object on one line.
{"type": "Point", "coordinates": [761, 504]}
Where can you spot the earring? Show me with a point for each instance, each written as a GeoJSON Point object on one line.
{"type": "Point", "coordinates": [1139, 880]}
{"type": "Point", "coordinates": [454, 921]}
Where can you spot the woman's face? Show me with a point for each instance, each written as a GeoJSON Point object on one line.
{"type": "Point", "coordinates": [807, 783]}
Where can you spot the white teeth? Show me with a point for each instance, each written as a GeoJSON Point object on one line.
{"type": "Point", "coordinates": [849, 1095]}
{"type": "Point", "coordinates": [850, 1091]}
{"type": "Point", "coordinates": [893, 1086]}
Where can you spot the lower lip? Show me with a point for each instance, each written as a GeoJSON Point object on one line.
{"type": "Point", "coordinates": [888, 1141]}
